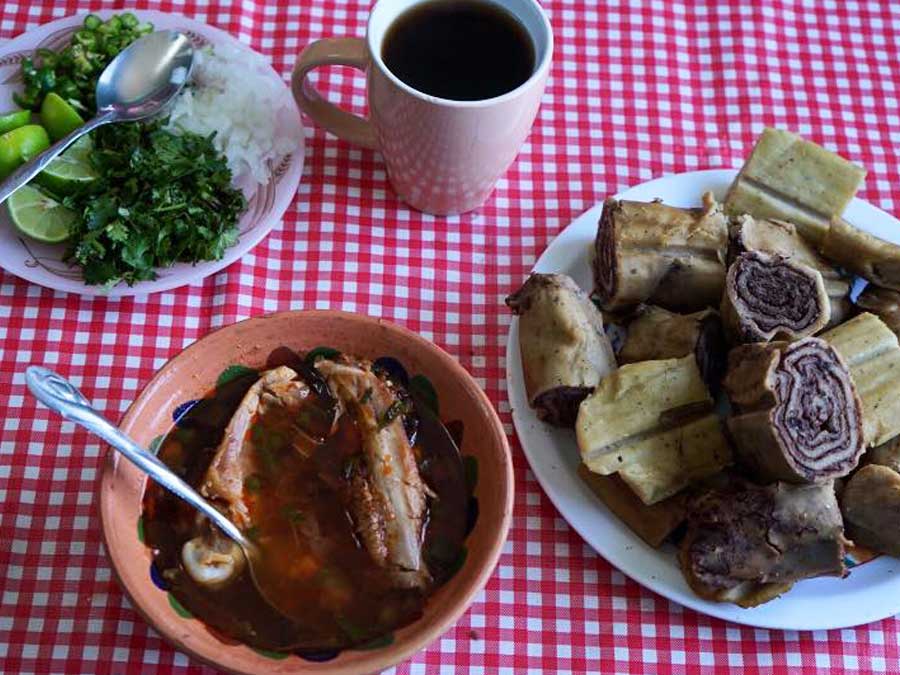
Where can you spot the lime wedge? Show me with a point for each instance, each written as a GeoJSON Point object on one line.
{"type": "Point", "coordinates": [14, 120]}
{"type": "Point", "coordinates": [20, 145]}
{"type": "Point", "coordinates": [58, 117]}
{"type": "Point", "coordinates": [40, 217]}
{"type": "Point", "coordinates": [71, 171]}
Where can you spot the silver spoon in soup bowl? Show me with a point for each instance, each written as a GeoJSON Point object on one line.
{"type": "Point", "coordinates": [61, 396]}
{"type": "Point", "coordinates": [139, 83]}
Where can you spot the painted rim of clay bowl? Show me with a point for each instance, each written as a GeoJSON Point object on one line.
{"type": "Point", "coordinates": [194, 371]}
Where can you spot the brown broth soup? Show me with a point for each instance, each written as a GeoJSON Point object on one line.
{"type": "Point", "coordinates": [298, 501]}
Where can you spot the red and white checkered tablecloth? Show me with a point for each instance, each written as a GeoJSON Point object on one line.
{"type": "Point", "coordinates": [638, 90]}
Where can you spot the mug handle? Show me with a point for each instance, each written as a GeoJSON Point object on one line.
{"type": "Point", "coordinates": [331, 52]}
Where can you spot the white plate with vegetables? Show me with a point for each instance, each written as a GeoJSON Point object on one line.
{"type": "Point", "coordinates": [870, 592]}
{"type": "Point", "coordinates": [146, 207]}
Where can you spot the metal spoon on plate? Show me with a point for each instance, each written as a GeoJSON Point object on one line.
{"type": "Point", "coordinates": [140, 82]}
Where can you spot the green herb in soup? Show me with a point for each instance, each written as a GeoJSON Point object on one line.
{"type": "Point", "coordinates": [356, 498]}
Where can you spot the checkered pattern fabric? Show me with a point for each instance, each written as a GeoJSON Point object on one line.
{"type": "Point", "coordinates": [638, 89]}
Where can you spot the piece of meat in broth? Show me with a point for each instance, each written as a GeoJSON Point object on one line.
{"type": "Point", "coordinates": [233, 463]}
{"type": "Point", "coordinates": [211, 559]}
{"type": "Point", "coordinates": [386, 494]}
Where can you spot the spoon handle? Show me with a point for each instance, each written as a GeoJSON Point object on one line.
{"type": "Point", "coordinates": [60, 395]}
{"type": "Point", "coordinates": [32, 168]}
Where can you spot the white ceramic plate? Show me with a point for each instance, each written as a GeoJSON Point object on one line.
{"type": "Point", "coordinates": [871, 591]}
{"type": "Point", "coordinates": [42, 263]}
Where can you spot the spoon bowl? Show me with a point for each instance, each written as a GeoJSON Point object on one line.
{"type": "Point", "coordinates": [146, 76]}
{"type": "Point", "coordinates": [140, 82]}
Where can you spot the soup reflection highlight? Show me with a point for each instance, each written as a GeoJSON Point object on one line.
{"type": "Point", "coordinates": [350, 487]}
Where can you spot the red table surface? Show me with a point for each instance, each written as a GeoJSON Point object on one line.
{"type": "Point", "coordinates": [637, 90]}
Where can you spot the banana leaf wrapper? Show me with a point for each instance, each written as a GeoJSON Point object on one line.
{"type": "Point", "coordinates": [862, 253]}
{"type": "Point", "coordinates": [872, 354]}
{"type": "Point", "coordinates": [789, 178]}
{"type": "Point", "coordinates": [652, 423]}
{"type": "Point", "coordinates": [652, 523]}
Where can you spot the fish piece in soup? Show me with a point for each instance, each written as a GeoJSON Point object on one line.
{"type": "Point", "coordinates": [385, 494]}
{"type": "Point", "coordinates": [234, 464]}
{"type": "Point", "coordinates": [210, 558]}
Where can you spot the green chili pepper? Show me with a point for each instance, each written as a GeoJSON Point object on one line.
{"type": "Point", "coordinates": [72, 73]}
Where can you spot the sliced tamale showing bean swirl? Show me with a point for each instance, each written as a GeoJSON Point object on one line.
{"type": "Point", "coordinates": [779, 237]}
{"type": "Point", "coordinates": [797, 416]}
{"type": "Point", "coordinates": [770, 297]}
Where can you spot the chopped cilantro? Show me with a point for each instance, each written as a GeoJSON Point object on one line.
{"type": "Point", "coordinates": [161, 198]}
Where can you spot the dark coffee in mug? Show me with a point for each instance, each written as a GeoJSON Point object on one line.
{"type": "Point", "coordinates": [465, 50]}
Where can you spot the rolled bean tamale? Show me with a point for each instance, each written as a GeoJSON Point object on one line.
{"type": "Point", "coordinates": [797, 416]}
{"type": "Point", "coordinates": [778, 237]}
{"type": "Point", "coordinates": [652, 423]}
{"type": "Point", "coordinates": [750, 545]}
{"type": "Point", "coordinates": [770, 297]}
{"type": "Point", "coordinates": [862, 253]}
{"type": "Point", "coordinates": [656, 333]}
{"type": "Point", "coordinates": [658, 254]}
{"type": "Point", "coordinates": [789, 178]}
{"type": "Point", "coordinates": [872, 353]}
{"type": "Point", "coordinates": [564, 348]}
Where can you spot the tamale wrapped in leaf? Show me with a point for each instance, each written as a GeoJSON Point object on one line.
{"type": "Point", "coordinates": [656, 333]}
{"type": "Point", "coordinates": [789, 178]}
{"type": "Point", "coordinates": [648, 252]}
{"type": "Point", "coordinates": [872, 353]}
{"type": "Point", "coordinates": [871, 507]}
{"type": "Point", "coordinates": [797, 416]}
{"type": "Point", "coordinates": [751, 544]}
{"type": "Point", "coordinates": [652, 423]}
{"type": "Point", "coordinates": [778, 237]}
{"type": "Point", "coordinates": [769, 297]}
{"type": "Point", "coordinates": [862, 253]}
{"type": "Point", "coordinates": [564, 348]}
{"type": "Point", "coordinates": [883, 303]}
{"type": "Point", "coordinates": [651, 523]}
